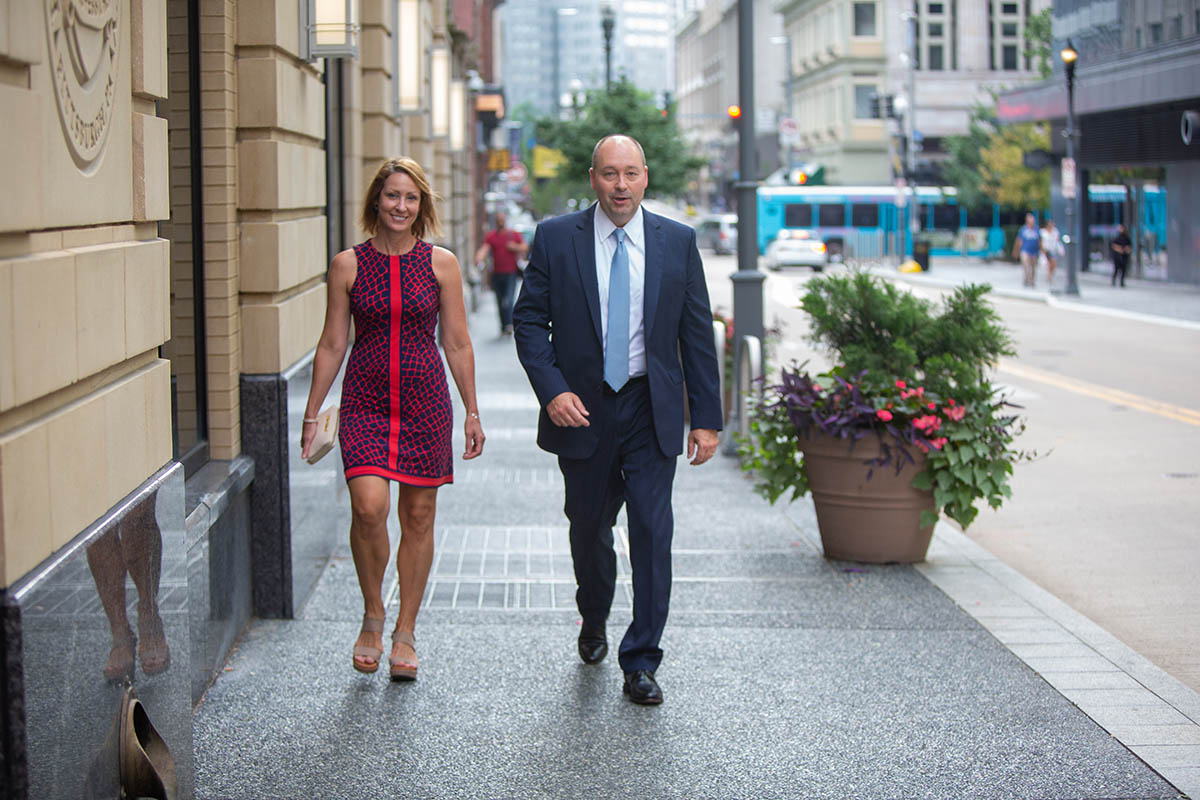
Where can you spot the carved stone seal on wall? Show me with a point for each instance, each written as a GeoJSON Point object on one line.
{"type": "Point", "coordinates": [84, 43]}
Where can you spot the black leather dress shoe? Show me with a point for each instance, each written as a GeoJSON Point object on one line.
{"type": "Point", "coordinates": [593, 644]}
{"type": "Point", "coordinates": [642, 688]}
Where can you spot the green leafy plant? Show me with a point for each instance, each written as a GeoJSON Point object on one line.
{"type": "Point", "coordinates": [912, 373]}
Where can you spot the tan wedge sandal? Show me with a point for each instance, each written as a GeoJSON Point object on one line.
{"type": "Point", "coordinates": [373, 654]}
{"type": "Point", "coordinates": [404, 670]}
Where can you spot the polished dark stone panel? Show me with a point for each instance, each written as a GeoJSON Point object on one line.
{"type": "Point", "coordinates": [219, 573]}
{"type": "Point", "coordinates": [74, 616]}
{"type": "Point", "coordinates": [264, 407]}
{"type": "Point", "coordinates": [316, 490]}
{"type": "Point", "coordinates": [12, 697]}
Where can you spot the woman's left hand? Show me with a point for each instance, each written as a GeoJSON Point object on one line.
{"type": "Point", "coordinates": [474, 434]}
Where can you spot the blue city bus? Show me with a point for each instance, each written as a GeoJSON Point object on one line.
{"type": "Point", "coordinates": [868, 221]}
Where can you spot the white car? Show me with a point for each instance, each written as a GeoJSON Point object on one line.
{"type": "Point", "coordinates": [796, 248]}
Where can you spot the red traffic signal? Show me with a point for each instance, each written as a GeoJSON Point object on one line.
{"type": "Point", "coordinates": [734, 111]}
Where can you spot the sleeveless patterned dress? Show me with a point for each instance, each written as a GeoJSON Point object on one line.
{"type": "Point", "coordinates": [396, 419]}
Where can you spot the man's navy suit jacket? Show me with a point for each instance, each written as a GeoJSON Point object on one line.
{"type": "Point", "coordinates": [558, 332]}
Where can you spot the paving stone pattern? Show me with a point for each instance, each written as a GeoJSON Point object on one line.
{"type": "Point", "coordinates": [785, 675]}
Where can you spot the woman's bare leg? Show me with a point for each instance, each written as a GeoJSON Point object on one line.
{"type": "Point", "coordinates": [369, 505]}
{"type": "Point", "coordinates": [416, 507]}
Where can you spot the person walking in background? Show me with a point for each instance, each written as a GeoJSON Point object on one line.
{"type": "Point", "coordinates": [395, 418]}
{"type": "Point", "coordinates": [612, 326]}
{"type": "Point", "coordinates": [506, 247]}
{"type": "Point", "coordinates": [1121, 247]}
{"type": "Point", "coordinates": [1027, 247]}
{"type": "Point", "coordinates": [1052, 249]}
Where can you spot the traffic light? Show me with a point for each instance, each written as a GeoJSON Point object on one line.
{"type": "Point", "coordinates": [734, 112]}
{"type": "Point", "coordinates": [875, 98]}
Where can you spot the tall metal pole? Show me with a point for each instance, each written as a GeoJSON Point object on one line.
{"type": "Point", "coordinates": [607, 18]}
{"type": "Point", "coordinates": [910, 149]}
{"type": "Point", "coordinates": [787, 87]}
{"type": "Point", "coordinates": [747, 281]}
{"type": "Point", "coordinates": [1076, 240]}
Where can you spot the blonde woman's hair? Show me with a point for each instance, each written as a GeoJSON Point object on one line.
{"type": "Point", "coordinates": [426, 222]}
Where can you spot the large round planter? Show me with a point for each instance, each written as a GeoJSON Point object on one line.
{"type": "Point", "coordinates": [876, 520]}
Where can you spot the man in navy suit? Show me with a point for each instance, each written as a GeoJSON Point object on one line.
{"type": "Point", "coordinates": [612, 318]}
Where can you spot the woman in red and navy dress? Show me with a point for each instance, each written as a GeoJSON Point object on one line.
{"type": "Point", "coordinates": [395, 421]}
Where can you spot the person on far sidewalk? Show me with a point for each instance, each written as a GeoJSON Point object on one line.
{"type": "Point", "coordinates": [614, 328]}
{"type": "Point", "coordinates": [1052, 249]}
{"type": "Point", "coordinates": [1027, 247]}
{"type": "Point", "coordinates": [506, 247]}
{"type": "Point", "coordinates": [1121, 247]}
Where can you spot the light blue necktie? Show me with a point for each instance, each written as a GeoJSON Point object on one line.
{"type": "Point", "coordinates": [616, 352]}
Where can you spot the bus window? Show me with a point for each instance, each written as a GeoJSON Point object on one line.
{"type": "Point", "coordinates": [1104, 213]}
{"type": "Point", "coordinates": [797, 215]}
{"type": "Point", "coordinates": [980, 217]}
{"type": "Point", "coordinates": [945, 217]}
{"type": "Point", "coordinates": [1012, 217]}
{"type": "Point", "coordinates": [864, 215]}
{"type": "Point", "coordinates": [831, 215]}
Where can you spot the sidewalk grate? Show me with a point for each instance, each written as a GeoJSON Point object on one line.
{"type": "Point", "coordinates": [497, 476]}
{"type": "Point", "coordinates": [511, 567]}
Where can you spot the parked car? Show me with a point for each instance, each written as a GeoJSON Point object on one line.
{"type": "Point", "coordinates": [718, 233]}
{"type": "Point", "coordinates": [792, 247]}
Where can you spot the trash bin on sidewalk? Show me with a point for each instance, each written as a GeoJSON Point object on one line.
{"type": "Point", "coordinates": [921, 252]}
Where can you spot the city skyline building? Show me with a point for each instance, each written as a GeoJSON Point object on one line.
{"type": "Point", "coordinates": [553, 50]}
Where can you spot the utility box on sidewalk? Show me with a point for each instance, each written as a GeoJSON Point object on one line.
{"type": "Point", "coordinates": [921, 247]}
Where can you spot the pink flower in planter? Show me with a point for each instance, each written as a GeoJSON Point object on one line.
{"type": "Point", "coordinates": [927, 424]}
{"type": "Point", "coordinates": [939, 442]}
{"type": "Point", "coordinates": [932, 406]}
{"type": "Point", "coordinates": [956, 413]}
{"type": "Point", "coordinates": [901, 384]}
{"type": "Point", "coordinates": [884, 415]}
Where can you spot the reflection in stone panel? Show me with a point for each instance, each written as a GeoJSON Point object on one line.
{"type": "Point", "coordinates": [106, 610]}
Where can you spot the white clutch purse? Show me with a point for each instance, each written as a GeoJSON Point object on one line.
{"type": "Point", "coordinates": [326, 435]}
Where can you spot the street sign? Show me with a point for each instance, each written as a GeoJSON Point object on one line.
{"type": "Point", "coordinates": [789, 132]}
{"type": "Point", "coordinates": [1068, 178]}
{"type": "Point", "coordinates": [517, 172]}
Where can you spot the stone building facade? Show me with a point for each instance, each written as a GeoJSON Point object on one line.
{"type": "Point", "coordinates": [177, 178]}
{"type": "Point", "coordinates": [845, 51]}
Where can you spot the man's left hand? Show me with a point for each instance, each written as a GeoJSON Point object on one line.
{"type": "Point", "coordinates": [701, 445]}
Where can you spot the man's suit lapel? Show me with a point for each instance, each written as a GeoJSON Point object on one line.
{"type": "Point", "coordinates": [585, 260]}
{"type": "Point", "coordinates": [655, 239]}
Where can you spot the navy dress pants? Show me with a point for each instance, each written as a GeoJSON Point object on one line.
{"type": "Point", "coordinates": [629, 469]}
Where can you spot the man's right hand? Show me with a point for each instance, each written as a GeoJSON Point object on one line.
{"type": "Point", "coordinates": [566, 411]}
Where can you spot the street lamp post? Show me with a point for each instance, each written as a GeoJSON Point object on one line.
{"type": "Point", "coordinates": [1069, 56]}
{"type": "Point", "coordinates": [747, 281]}
{"type": "Point", "coordinates": [608, 18]}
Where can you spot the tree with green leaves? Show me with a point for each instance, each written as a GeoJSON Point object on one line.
{"type": "Point", "coordinates": [1005, 178]}
{"type": "Point", "coordinates": [1038, 36]}
{"type": "Point", "coordinates": [962, 170]}
{"type": "Point", "coordinates": [987, 164]}
{"type": "Point", "coordinates": [623, 109]}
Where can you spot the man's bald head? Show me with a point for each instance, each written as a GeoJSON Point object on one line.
{"type": "Point", "coordinates": [614, 137]}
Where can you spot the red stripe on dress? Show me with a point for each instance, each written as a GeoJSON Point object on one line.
{"type": "Point", "coordinates": [397, 302]}
{"type": "Point", "coordinates": [402, 477]}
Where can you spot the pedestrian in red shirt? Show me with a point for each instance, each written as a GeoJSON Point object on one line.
{"type": "Point", "coordinates": [506, 247]}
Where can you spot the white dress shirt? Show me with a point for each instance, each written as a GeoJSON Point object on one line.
{"type": "Point", "coordinates": [635, 246]}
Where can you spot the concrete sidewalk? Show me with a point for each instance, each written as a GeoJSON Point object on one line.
{"type": "Point", "coordinates": [786, 675]}
{"type": "Point", "coordinates": [1150, 300]}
